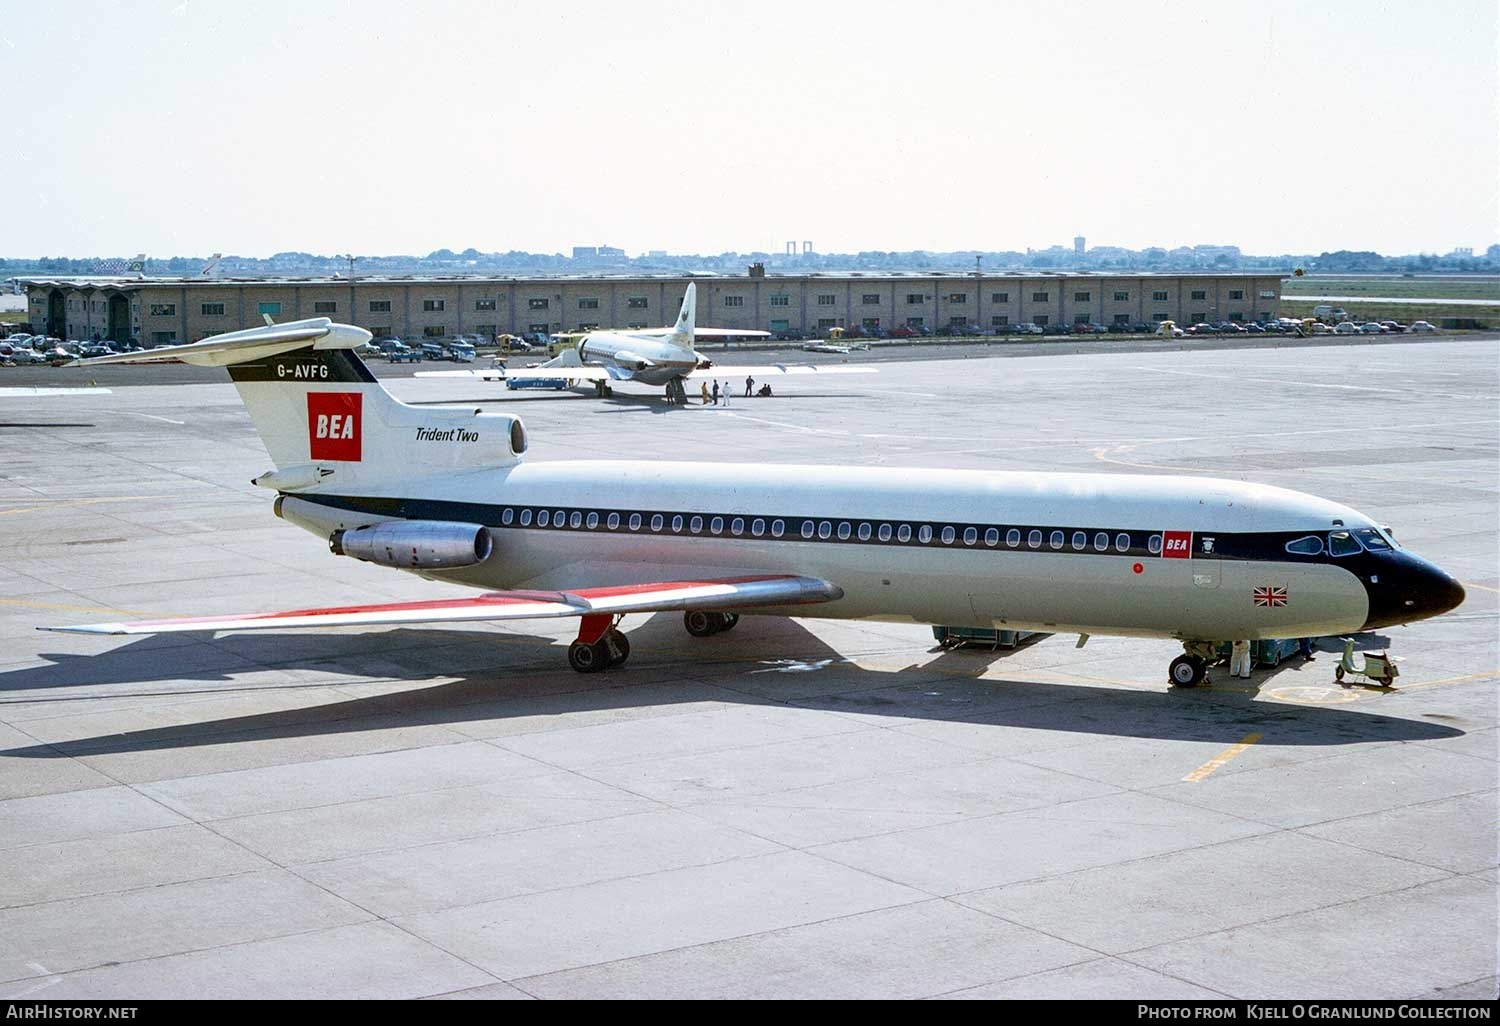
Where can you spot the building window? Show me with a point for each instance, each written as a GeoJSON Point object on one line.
{"type": "Point", "coordinates": [435, 330]}
{"type": "Point", "coordinates": [734, 300]}
{"type": "Point", "coordinates": [1199, 316]}
{"type": "Point", "coordinates": [870, 299]}
{"type": "Point", "coordinates": [781, 300]}
{"type": "Point", "coordinates": [828, 322]}
{"type": "Point", "coordinates": [1159, 296]}
{"type": "Point", "coordinates": [999, 297]}
{"type": "Point", "coordinates": [1122, 318]}
{"type": "Point", "coordinates": [325, 306]}
{"type": "Point", "coordinates": [1083, 297]}
{"type": "Point", "coordinates": [213, 309]}
{"type": "Point", "coordinates": [1040, 320]}
{"type": "Point", "coordinates": [268, 308]}
{"type": "Point", "coordinates": [827, 300]}
{"type": "Point", "coordinates": [636, 303]}
{"type": "Point", "coordinates": [915, 298]}
{"type": "Point", "coordinates": [433, 305]}
{"type": "Point", "coordinates": [538, 329]}
{"type": "Point", "coordinates": [1040, 297]}
{"type": "Point", "coordinates": [1080, 318]}
{"type": "Point", "coordinates": [957, 322]}
{"type": "Point", "coordinates": [1122, 297]}
{"type": "Point", "coordinates": [381, 331]}
{"type": "Point", "coordinates": [170, 309]}
{"type": "Point", "coordinates": [1199, 294]}
{"type": "Point", "coordinates": [1267, 293]}
{"type": "Point", "coordinates": [380, 306]}
{"type": "Point", "coordinates": [1159, 317]}
{"type": "Point", "coordinates": [999, 321]}
{"type": "Point", "coordinates": [781, 325]}
{"type": "Point", "coordinates": [915, 322]}
{"type": "Point", "coordinates": [484, 304]}
{"type": "Point", "coordinates": [1236, 293]}
{"type": "Point", "coordinates": [163, 338]}
{"type": "Point", "coordinates": [536, 304]}
{"type": "Point", "coordinates": [870, 322]}
{"type": "Point", "coordinates": [958, 297]}
{"type": "Point", "coordinates": [489, 331]}
{"type": "Point", "coordinates": [588, 304]}
{"type": "Point", "coordinates": [1236, 315]}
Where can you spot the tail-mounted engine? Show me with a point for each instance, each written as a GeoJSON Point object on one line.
{"type": "Point", "coordinates": [415, 544]}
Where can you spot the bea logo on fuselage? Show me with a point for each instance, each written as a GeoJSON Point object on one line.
{"type": "Point", "coordinates": [333, 426]}
{"type": "Point", "coordinates": [1177, 544]}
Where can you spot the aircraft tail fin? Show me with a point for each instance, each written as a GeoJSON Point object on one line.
{"type": "Point", "coordinates": [683, 330]}
{"type": "Point", "coordinates": [326, 421]}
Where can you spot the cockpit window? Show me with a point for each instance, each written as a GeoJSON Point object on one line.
{"type": "Point", "coordinates": [1342, 543]}
{"type": "Point", "coordinates": [1309, 546]}
{"type": "Point", "coordinates": [1371, 539]}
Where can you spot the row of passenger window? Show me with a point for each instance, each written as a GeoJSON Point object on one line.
{"type": "Point", "coordinates": [821, 530]}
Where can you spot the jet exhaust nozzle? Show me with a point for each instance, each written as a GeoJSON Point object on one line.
{"type": "Point", "coordinates": [415, 544]}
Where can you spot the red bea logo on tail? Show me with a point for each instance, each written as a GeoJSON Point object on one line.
{"type": "Point", "coordinates": [333, 426]}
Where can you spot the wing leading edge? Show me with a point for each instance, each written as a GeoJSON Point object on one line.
{"type": "Point", "coordinates": [661, 596]}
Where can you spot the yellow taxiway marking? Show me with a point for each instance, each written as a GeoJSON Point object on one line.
{"type": "Point", "coordinates": [27, 603]}
{"type": "Point", "coordinates": [1481, 587]}
{"type": "Point", "coordinates": [1222, 759]}
{"type": "Point", "coordinates": [1487, 675]}
{"type": "Point", "coordinates": [47, 505]}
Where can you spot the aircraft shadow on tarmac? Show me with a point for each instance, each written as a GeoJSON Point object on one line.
{"type": "Point", "coordinates": [765, 661]}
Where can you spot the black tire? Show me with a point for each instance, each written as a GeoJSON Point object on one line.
{"type": "Point", "coordinates": [588, 658]}
{"type": "Point", "coordinates": [730, 619]}
{"type": "Point", "coordinates": [618, 646]}
{"type": "Point", "coordinates": [701, 624]}
{"type": "Point", "coordinates": [1338, 673]}
{"type": "Point", "coordinates": [1186, 671]}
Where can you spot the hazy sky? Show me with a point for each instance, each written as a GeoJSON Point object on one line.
{"type": "Point", "coordinates": [388, 126]}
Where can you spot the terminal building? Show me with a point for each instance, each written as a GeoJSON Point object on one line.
{"type": "Point", "coordinates": [161, 311]}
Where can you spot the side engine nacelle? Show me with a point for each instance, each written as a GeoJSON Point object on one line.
{"type": "Point", "coordinates": [415, 544]}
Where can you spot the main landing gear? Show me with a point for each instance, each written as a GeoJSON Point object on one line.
{"type": "Point", "coordinates": [702, 624]}
{"type": "Point", "coordinates": [1191, 668]}
{"type": "Point", "coordinates": [601, 645]}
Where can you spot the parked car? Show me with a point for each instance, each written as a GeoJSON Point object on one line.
{"type": "Point", "coordinates": [1394, 327]}
{"type": "Point", "coordinates": [1371, 328]}
{"type": "Point", "coordinates": [1421, 328]}
{"type": "Point", "coordinates": [399, 352]}
{"type": "Point", "coordinates": [461, 352]}
{"type": "Point", "coordinates": [1202, 329]}
{"type": "Point", "coordinates": [1346, 328]}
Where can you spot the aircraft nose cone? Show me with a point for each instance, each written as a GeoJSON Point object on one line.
{"type": "Point", "coordinates": [1408, 588]}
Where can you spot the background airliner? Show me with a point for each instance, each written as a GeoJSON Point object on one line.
{"type": "Point", "coordinates": [446, 493]}
{"type": "Point", "coordinates": [655, 356]}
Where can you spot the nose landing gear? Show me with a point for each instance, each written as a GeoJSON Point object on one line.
{"type": "Point", "coordinates": [1191, 668]}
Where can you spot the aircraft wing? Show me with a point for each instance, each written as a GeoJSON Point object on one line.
{"type": "Point", "coordinates": [700, 332]}
{"type": "Point", "coordinates": [21, 393]}
{"type": "Point", "coordinates": [720, 370]}
{"type": "Point", "coordinates": [576, 372]}
{"type": "Point", "coordinates": [710, 593]}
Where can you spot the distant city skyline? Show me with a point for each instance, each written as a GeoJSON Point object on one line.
{"type": "Point", "coordinates": [184, 126]}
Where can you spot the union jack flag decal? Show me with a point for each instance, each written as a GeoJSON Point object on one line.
{"type": "Point", "coordinates": [1270, 598]}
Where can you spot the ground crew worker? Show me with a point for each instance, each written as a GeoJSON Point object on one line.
{"type": "Point", "coordinates": [1239, 660]}
{"type": "Point", "coordinates": [749, 386]}
{"type": "Point", "coordinates": [703, 387]}
{"type": "Point", "coordinates": [716, 392]}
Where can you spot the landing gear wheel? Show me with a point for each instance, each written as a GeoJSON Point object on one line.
{"type": "Point", "coordinates": [1186, 671]}
{"type": "Point", "coordinates": [618, 646]}
{"type": "Point", "coordinates": [701, 624]}
{"type": "Point", "coordinates": [587, 658]}
{"type": "Point", "coordinates": [730, 619]}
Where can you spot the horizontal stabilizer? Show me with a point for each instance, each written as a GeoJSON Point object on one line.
{"type": "Point", "coordinates": [252, 343]}
{"type": "Point", "coordinates": [723, 593]}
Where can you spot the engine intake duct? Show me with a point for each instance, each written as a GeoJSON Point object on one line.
{"type": "Point", "coordinates": [415, 544]}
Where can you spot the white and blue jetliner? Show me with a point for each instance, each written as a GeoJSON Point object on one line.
{"type": "Point", "coordinates": [448, 494]}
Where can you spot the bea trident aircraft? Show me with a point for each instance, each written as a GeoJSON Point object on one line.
{"type": "Point", "coordinates": [446, 493]}
{"type": "Point", "coordinates": [654, 356]}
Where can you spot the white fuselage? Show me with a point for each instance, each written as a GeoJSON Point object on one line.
{"type": "Point", "coordinates": [866, 536]}
{"type": "Point", "coordinates": [644, 358]}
